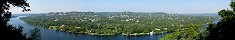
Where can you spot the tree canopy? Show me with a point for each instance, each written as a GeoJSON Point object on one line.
{"type": "Point", "coordinates": [8, 32]}
{"type": "Point", "coordinates": [224, 29]}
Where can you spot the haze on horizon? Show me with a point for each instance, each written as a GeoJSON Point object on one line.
{"type": "Point", "coordinates": [168, 6]}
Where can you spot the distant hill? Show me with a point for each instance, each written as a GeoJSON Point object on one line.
{"type": "Point", "coordinates": [202, 14]}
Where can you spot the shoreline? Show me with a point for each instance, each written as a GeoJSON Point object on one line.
{"type": "Point", "coordinates": [124, 34]}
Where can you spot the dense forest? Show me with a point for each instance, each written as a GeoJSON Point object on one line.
{"type": "Point", "coordinates": [112, 23]}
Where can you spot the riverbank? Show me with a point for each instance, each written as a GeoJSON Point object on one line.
{"type": "Point", "coordinates": [125, 34]}
{"type": "Point", "coordinates": [92, 32]}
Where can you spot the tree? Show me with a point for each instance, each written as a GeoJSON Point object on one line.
{"type": "Point", "coordinates": [226, 14]}
{"type": "Point", "coordinates": [8, 32]}
{"type": "Point", "coordinates": [190, 33]}
{"type": "Point", "coordinates": [34, 34]}
{"type": "Point", "coordinates": [224, 29]}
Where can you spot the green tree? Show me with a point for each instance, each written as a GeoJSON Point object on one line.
{"type": "Point", "coordinates": [224, 29]}
{"type": "Point", "coordinates": [8, 32]}
{"type": "Point", "coordinates": [190, 33]}
{"type": "Point", "coordinates": [226, 14]}
{"type": "Point", "coordinates": [34, 34]}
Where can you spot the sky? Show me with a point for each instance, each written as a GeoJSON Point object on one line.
{"type": "Point", "coordinates": [168, 6]}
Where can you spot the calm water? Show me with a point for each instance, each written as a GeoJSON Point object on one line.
{"type": "Point", "coordinates": [47, 34]}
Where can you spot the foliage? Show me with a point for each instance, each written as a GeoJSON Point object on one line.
{"type": "Point", "coordinates": [223, 30]}
{"type": "Point", "coordinates": [34, 34]}
{"type": "Point", "coordinates": [115, 22]}
{"type": "Point", "coordinates": [190, 33]}
{"type": "Point", "coordinates": [226, 14]}
{"type": "Point", "coordinates": [8, 32]}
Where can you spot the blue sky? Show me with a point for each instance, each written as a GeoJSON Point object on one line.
{"type": "Point", "coordinates": [168, 6]}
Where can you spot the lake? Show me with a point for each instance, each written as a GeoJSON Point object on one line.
{"type": "Point", "coordinates": [47, 34]}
